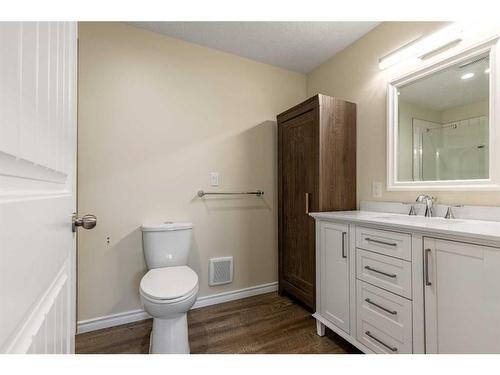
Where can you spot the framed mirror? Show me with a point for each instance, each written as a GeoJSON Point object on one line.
{"type": "Point", "coordinates": [442, 127]}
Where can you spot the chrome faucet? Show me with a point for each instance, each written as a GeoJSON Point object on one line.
{"type": "Point", "coordinates": [412, 211]}
{"type": "Point", "coordinates": [449, 213]}
{"type": "Point", "coordinates": [428, 200]}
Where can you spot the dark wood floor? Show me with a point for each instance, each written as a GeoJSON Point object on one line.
{"type": "Point", "coordinates": [262, 324]}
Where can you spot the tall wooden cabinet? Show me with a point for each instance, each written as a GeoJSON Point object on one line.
{"type": "Point", "coordinates": [316, 172]}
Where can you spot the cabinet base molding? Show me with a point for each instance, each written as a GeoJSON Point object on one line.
{"type": "Point", "coordinates": [340, 332]}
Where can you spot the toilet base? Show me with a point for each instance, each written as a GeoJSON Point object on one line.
{"type": "Point", "coordinates": [170, 336]}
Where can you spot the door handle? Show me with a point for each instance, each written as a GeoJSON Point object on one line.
{"type": "Point", "coordinates": [426, 265]}
{"type": "Point", "coordinates": [343, 245]}
{"type": "Point", "coordinates": [86, 221]}
{"type": "Point", "coordinates": [307, 203]}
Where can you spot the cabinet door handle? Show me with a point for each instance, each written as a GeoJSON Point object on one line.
{"type": "Point", "coordinates": [307, 203]}
{"type": "Point", "coordinates": [344, 255]}
{"type": "Point", "coordinates": [380, 242]}
{"type": "Point", "coordinates": [380, 307]}
{"type": "Point", "coordinates": [426, 261]}
{"type": "Point", "coordinates": [391, 348]}
{"type": "Point", "coordinates": [381, 272]}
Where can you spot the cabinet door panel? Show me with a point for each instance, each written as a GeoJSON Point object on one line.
{"type": "Point", "coordinates": [298, 175]}
{"type": "Point", "coordinates": [462, 302]}
{"type": "Point", "coordinates": [334, 265]}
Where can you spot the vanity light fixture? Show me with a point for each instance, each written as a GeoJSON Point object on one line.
{"type": "Point", "coordinates": [423, 46]}
{"type": "Point", "coordinates": [403, 53]}
{"type": "Point", "coordinates": [467, 76]}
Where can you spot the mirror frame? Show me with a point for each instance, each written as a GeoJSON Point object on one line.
{"type": "Point", "coordinates": [493, 182]}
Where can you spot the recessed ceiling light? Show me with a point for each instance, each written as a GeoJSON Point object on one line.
{"type": "Point", "coordinates": [467, 76]}
{"type": "Point", "coordinates": [487, 71]}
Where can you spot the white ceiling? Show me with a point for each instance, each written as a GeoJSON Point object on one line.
{"type": "Point", "coordinates": [445, 89]}
{"type": "Point", "coordinates": [298, 46]}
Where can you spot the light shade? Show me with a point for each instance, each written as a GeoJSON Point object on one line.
{"type": "Point", "coordinates": [422, 46]}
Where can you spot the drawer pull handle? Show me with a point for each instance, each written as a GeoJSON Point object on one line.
{"type": "Point", "coordinates": [391, 348]}
{"type": "Point", "coordinates": [380, 242]}
{"type": "Point", "coordinates": [380, 307]}
{"type": "Point", "coordinates": [381, 272]}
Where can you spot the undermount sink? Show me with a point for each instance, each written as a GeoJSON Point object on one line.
{"type": "Point", "coordinates": [418, 219]}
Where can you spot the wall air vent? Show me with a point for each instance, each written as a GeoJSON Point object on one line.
{"type": "Point", "coordinates": [220, 271]}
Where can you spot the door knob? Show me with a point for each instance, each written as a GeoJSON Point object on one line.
{"type": "Point", "coordinates": [86, 221]}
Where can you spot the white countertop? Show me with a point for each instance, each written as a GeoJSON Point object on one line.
{"type": "Point", "coordinates": [473, 229]}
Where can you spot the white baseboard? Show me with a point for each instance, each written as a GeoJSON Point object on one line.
{"type": "Point", "coordinates": [232, 295]}
{"type": "Point", "coordinates": [137, 315]}
{"type": "Point", "coordinates": [111, 320]}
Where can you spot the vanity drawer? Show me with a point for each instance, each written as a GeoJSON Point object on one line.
{"type": "Point", "coordinates": [384, 320]}
{"type": "Point", "coordinates": [386, 272]}
{"type": "Point", "coordinates": [384, 242]}
{"type": "Point", "coordinates": [382, 342]}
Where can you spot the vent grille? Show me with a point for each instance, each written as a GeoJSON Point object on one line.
{"type": "Point", "coordinates": [469, 63]}
{"type": "Point", "coordinates": [220, 271]}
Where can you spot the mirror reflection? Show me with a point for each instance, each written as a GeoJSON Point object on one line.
{"type": "Point", "coordinates": [443, 124]}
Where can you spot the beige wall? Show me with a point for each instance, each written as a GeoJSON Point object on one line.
{"type": "Point", "coordinates": [465, 112]}
{"type": "Point", "coordinates": [353, 74]}
{"type": "Point", "coordinates": [156, 115]}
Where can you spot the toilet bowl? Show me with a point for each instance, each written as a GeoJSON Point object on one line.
{"type": "Point", "coordinates": [169, 289]}
{"type": "Point", "coordinates": [167, 294]}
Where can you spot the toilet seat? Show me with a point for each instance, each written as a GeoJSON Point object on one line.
{"type": "Point", "coordinates": [169, 284]}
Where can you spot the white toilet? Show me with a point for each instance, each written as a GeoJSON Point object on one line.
{"type": "Point", "coordinates": [170, 287]}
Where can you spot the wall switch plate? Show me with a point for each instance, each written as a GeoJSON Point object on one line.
{"type": "Point", "coordinates": [376, 189]}
{"type": "Point", "coordinates": [214, 178]}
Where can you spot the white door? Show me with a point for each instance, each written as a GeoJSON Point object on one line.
{"type": "Point", "coordinates": [37, 186]}
{"type": "Point", "coordinates": [334, 268]}
{"type": "Point", "coordinates": [462, 297]}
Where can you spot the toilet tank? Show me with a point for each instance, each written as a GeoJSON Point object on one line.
{"type": "Point", "coordinates": [167, 244]}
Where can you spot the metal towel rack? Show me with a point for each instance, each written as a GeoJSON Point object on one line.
{"type": "Point", "coordinates": [258, 193]}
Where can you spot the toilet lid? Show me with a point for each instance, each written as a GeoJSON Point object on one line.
{"type": "Point", "coordinates": [169, 282]}
{"type": "Point", "coordinates": [167, 226]}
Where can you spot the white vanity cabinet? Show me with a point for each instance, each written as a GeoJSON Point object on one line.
{"type": "Point", "coordinates": [462, 297]}
{"type": "Point", "coordinates": [394, 284]}
{"type": "Point", "coordinates": [332, 265]}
